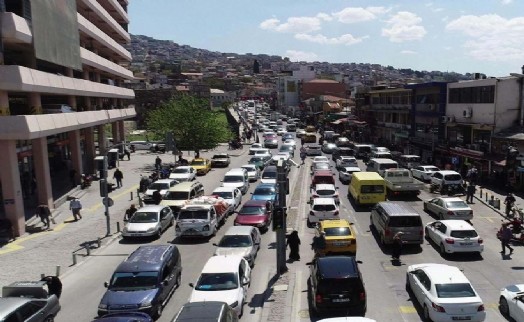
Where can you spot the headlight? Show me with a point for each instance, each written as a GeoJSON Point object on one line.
{"type": "Point", "coordinates": [151, 229]}
{"type": "Point", "coordinates": [261, 225]}
{"type": "Point", "coordinates": [124, 230]}
{"type": "Point", "coordinates": [205, 228]}
{"type": "Point", "coordinates": [145, 304]}
{"type": "Point", "coordinates": [102, 306]}
{"type": "Point", "coordinates": [234, 304]}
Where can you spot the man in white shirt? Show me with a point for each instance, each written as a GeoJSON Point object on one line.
{"type": "Point", "coordinates": [75, 207]}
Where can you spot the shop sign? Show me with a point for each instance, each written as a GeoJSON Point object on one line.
{"type": "Point", "coordinates": [468, 151]}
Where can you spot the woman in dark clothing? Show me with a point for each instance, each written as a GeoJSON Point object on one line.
{"type": "Point", "coordinates": [293, 241]}
{"type": "Point", "coordinates": [54, 285]}
{"type": "Point", "coordinates": [397, 246]}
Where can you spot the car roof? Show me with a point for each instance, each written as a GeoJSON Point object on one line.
{"type": "Point", "coordinates": [249, 166]}
{"type": "Point", "coordinates": [149, 208]}
{"type": "Point", "coordinates": [444, 172]}
{"type": "Point", "coordinates": [443, 274]}
{"type": "Point", "coordinates": [398, 208]}
{"type": "Point", "coordinates": [323, 173]}
{"type": "Point", "coordinates": [337, 266]}
{"type": "Point", "coordinates": [334, 223]}
{"type": "Point", "coordinates": [239, 230]}
{"type": "Point", "coordinates": [457, 224]}
{"type": "Point", "coordinates": [206, 311]}
{"type": "Point", "coordinates": [183, 186]}
{"type": "Point", "coordinates": [222, 264]}
{"type": "Point", "coordinates": [266, 185]}
{"type": "Point", "coordinates": [354, 169]}
{"type": "Point", "coordinates": [324, 186]}
{"type": "Point", "coordinates": [255, 203]}
{"type": "Point", "coordinates": [164, 180]}
{"type": "Point", "coordinates": [222, 189]}
{"type": "Point", "coordinates": [271, 168]}
{"type": "Point", "coordinates": [323, 201]}
{"type": "Point", "coordinates": [145, 258]}
{"type": "Point", "coordinates": [450, 198]}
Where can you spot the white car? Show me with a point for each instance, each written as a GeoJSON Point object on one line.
{"type": "Point", "coordinates": [380, 149]}
{"type": "Point", "coordinates": [224, 279]}
{"type": "Point", "coordinates": [253, 172]}
{"type": "Point", "coordinates": [424, 172]}
{"type": "Point", "coordinates": [231, 195]}
{"type": "Point", "coordinates": [511, 302]}
{"type": "Point", "coordinates": [345, 174]}
{"type": "Point", "coordinates": [322, 209]}
{"type": "Point", "coordinates": [454, 236]}
{"type": "Point", "coordinates": [446, 177]}
{"type": "Point", "coordinates": [254, 147]}
{"type": "Point", "coordinates": [320, 159]}
{"type": "Point", "coordinates": [313, 149]}
{"type": "Point", "coordinates": [281, 131]}
{"type": "Point", "coordinates": [290, 142]}
{"type": "Point", "coordinates": [346, 161]}
{"type": "Point", "coordinates": [241, 241]}
{"type": "Point", "coordinates": [444, 293]}
{"type": "Point", "coordinates": [149, 221]}
{"type": "Point", "coordinates": [300, 133]}
{"type": "Point", "coordinates": [324, 190]}
{"type": "Point", "coordinates": [183, 173]}
{"type": "Point", "coordinates": [163, 185]}
{"type": "Point", "coordinates": [448, 208]}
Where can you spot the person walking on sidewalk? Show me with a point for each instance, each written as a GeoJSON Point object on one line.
{"type": "Point", "coordinates": [158, 162]}
{"type": "Point", "coordinates": [509, 202]}
{"type": "Point", "coordinates": [75, 205]}
{"type": "Point", "coordinates": [44, 213]}
{"type": "Point", "coordinates": [118, 176]}
{"type": "Point", "coordinates": [505, 238]}
{"type": "Point", "coordinates": [293, 241]}
{"type": "Point", "coordinates": [470, 192]}
{"type": "Point", "coordinates": [396, 250]}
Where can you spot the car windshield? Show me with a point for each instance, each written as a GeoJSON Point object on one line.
{"type": "Point", "coordinates": [192, 214]}
{"type": "Point", "coordinates": [454, 290]}
{"type": "Point", "coordinates": [252, 210]}
{"type": "Point", "coordinates": [219, 156]}
{"type": "Point", "coordinates": [253, 160]}
{"type": "Point", "coordinates": [264, 191]}
{"type": "Point", "coordinates": [249, 169]}
{"type": "Point", "coordinates": [159, 186]}
{"type": "Point", "coordinates": [372, 189]}
{"type": "Point", "coordinates": [431, 169]}
{"type": "Point", "coordinates": [339, 285]}
{"type": "Point", "coordinates": [456, 204]}
{"type": "Point", "coordinates": [337, 231]}
{"type": "Point", "coordinates": [199, 162]}
{"type": "Point", "coordinates": [123, 281]}
{"type": "Point", "coordinates": [233, 179]}
{"type": "Point", "coordinates": [452, 177]}
{"type": "Point", "coordinates": [235, 241]}
{"type": "Point", "coordinates": [217, 282]}
{"type": "Point", "coordinates": [176, 195]}
{"type": "Point", "coordinates": [144, 217]}
{"type": "Point", "coordinates": [286, 148]}
{"type": "Point", "coordinates": [325, 192]}
{"type": "Point", "coordinates": [321, 166]}
{"type": "Point", "coordinates": [180, 170]}
{"type": "Point", "coordinates": [223, 194]}
{"type": "Point", "coordinates": [405, 221]}
{"type": "Point", "coordinates": [269, 175]}
{"type": "Point", "coordinates": [324, 207]}
{"type": "Point", "coordinates": [463, 234]}
{"type": "Point", "coordinates": [385, 166]}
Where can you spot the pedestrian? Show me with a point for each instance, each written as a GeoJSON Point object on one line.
{"type": "Point", "coordinates": [72, 177]}
{"type": "Point", "coordinates": [470, 192]}
{"type": "Point", "coordinates": [75, 206]}
{"type": "Point", "coordinates": [128, 154]}
{"type": "Point", "coordinates": [293, 241]}
{"type": "Point", "coordinates": [6, 229]}
{"type": "Point", "coordinates": [130, 212]}
{"type": "Point", "coordinates": [157, 197]}
{"type": "Point", "coordinates": [396, 250]}
{"type": "Point", "coordinates": [44, 213]}
{"type": "Point", "coordinates": [509, 202]}
{"type": "Point", "coordinates": [319, 244]}
{"type": "Point", "coordinates": [118, 176]}
{"type": "Point", "coordinates": [244, 137]}
{"type": "Point", "coordinates": [158, 163]}
{"type": "Point", "coordinates": [54, 285]}
{"type": "Point", "coordinates": [505, 238]}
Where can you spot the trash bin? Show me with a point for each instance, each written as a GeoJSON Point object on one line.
{"type": "Point", "coordinates": [112, 158]}
{"type": "Point", "coordinates": [496, 203]}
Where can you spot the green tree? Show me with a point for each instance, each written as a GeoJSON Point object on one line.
{"type": "Point", "coordinates": [195, 127]}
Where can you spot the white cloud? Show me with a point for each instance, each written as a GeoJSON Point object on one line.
{"type": "Point", "coordinates": [506, 1]}
{"type": "Point", "coordinates": [293, 24]}
{"type": "Point", "coordinates": [324, 16]}
{"type": "Point", "coordinates": [358, 14]}
{"type": "Point", "coordinates": [346, 39]}
{"type": "Point", "coordinates": [408, 52]}
{"type": "Point", "coordinates": [297, 55]}
{"type": "Point", "coordinates": [404, 26]}
{"type": "Point", "coordinates": [491, 37]}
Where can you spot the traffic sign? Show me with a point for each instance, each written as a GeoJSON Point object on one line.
{"type": "Point", "coordinates": [108, 202]}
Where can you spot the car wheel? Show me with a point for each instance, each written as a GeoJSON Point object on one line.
{"type": "Point", "coordinates": [241, 309]}
{"type": "Point", "coordinates": [309, 224]}
{"type": "Point", "coordinates": [382, 240]}
{"type": "Point", "coordinates": [52, 318]}
{"type": "Point", "coordinates": [178, 280]}
{"type": "Point", "coordinates": [503, 307]}
{"type": "Point", "coordinates": [425, 207]}
{"type": "Point", "coordinates": [408, 287]}
{"type": "Point", "coordinates": [427, 318]}
{"type": "Point", "coordinates": [158, 311]}
{"type": "Point", "coordinates": [158, 234]}
{"type": "Point", "coordinates": [442, 250]}
{"type": "Point", "coordinates": [172, 222]}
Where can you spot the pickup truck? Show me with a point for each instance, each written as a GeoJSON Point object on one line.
{"type": "Point", "coordinates": [401, 182]}
{"type": "Point", "coordinates": [201, 217]}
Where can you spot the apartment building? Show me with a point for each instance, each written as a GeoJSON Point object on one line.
{"type": "Point", "coordinates": [62, 66]}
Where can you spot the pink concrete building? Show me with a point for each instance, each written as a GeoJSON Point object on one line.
{"type": "Point", "coordinates": [62, 64]}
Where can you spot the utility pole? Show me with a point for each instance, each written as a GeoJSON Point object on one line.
{"type": "Point", "coordinates": [101, 165]}
{"type": "Point", "coordinates": [282, 182]}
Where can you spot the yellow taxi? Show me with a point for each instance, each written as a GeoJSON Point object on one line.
{"type": "Point", "coordinates": [309, 138]}
{"type": "Point", "coordinates": [340, 237]}
{"type": "Point", "coordinates": [201, 165]}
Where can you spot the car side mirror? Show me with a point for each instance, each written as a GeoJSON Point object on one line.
{"type": "Point", "coordinates": [191, 285]}
{"type": "Point", "coordinates": [309, 263]}
{"type": "Point", "coordinates": [360, 262]}
{"type": "Point", "coordinates": [165, 283]}
{"type": "Point", "coordinates": [106, 284]}
{"type": "Point", "coordinates": [215, 244]}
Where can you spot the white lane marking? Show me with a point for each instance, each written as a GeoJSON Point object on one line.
{"type": "Point", "coordinates": [299, 223]}
{"type": "Point", "coordinates": [297, 296]}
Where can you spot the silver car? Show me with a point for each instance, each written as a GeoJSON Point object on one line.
{"type": "Point", "coordinates": [448, 208]}
{"type": "Point", "coordinates": [28, 301]}
{"type": "Point", "coordinates": [149, 221]}
{"type": "Point", "coordinates": [241, 241]}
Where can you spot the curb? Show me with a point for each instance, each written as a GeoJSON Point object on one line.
{"type": "Point", "coordinates": [502, 214]}
{"type": "Point", "coordinates": [277, 304]}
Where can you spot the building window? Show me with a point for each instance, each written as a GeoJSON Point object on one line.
{"type": "Point", "coordinates": [468, 95]}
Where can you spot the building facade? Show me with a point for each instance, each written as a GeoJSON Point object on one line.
{"type": "Point", "coordinates": [62, 68]}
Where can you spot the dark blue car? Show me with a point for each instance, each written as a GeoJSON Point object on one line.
{"type": "Point", "coordinates": [125, 317]}
{"type": "Point", "coordinates": [266, 191]}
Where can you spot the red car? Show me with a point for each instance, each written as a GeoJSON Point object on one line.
{"type": "Point", "coordinates": [256, 213]}
{"type": "Point", "coordinates": [322, 177]}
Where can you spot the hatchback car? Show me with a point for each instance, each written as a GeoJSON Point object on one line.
{"type": "Point", "coordinates": [324, 191]}
{"type": "Point", "coordinates": [254, 147]}
{"type": "Point", "coordinates": [258, 213]}
{"type": "Point", "coordinates": [253, 172]}
{"type": "Point", "coordinates": [183, 173]}
{"type": "Point", "coordinates": [287, 148]}
{"type": "Point", "coordinates": [149, 221]}
{"type": "Point", "coordinates": [240, 241]}
{"type": "Point", "coordinates": [454, 236]}
{"type": "Point", "coordinates": [322, 209]}
{"type": "Point", "coordinates": [423, 172]}
{"type": "Point", "coordinates": [201, 165]}
{"type": "Point", "coordinates": [444, 293]}
{"type": "Point", "coordinates": [340, 237]}
{"type": "Point", "coordinates": [233, 196]}
{"type": "Point", "coordinates": [448, 208]}
{"type": "Point", "coordinates": [269, 175]}
{"type": "Point", "coordinates": [511, 302]}
{"type": "Point", "coordinates": [336, 285]}
{"type": "Point", "coordinates": [328, 147]}
{"type": "Point", "coordinates": [260, 161]}
{"type": "Point", "coordinates": [345, 174]}
{"type": "Point", "coordinates": [346, 161]}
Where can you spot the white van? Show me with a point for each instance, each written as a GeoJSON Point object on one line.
{"type": "Point", "coordinates": [236, 179]}
{"type": "Point", "coordinates": [379, 165]}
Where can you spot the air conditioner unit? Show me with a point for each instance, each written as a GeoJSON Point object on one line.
{"type": "Point", "coordinates": [451, 119]}
{"type": "Point", "coordinates": [468, 113]}
{"type": "Point", "coordinates": [431, 107]}
{"type": "Point", "coordinates": [444, 119]}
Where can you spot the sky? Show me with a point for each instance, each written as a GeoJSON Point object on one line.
{"type": "Point", "coordinates": [464, 36]}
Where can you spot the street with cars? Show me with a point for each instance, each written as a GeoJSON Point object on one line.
{"type": "Point", "coordinates": [214, 228]}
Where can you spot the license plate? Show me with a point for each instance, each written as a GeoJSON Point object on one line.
{"type": "Point", "coordinates": [339, 244]}
{"type": "Point", "coordinates": [340, 300]}
{"type": "Point", "coordinates": [461, 318]}
{"type": "Point", "coordinates": [466, 244]}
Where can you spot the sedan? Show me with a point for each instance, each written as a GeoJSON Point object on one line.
{"type": "Point", "coordinates": [454, 236]}
{"type": "Point", "coordinates": [281, 131]}
{"type": "Point", "coordinates": [325, 191]}
{"type": "Point", "coordinates": [424, 172]}
{"type": "Point", "coordinates": [254, 147]}
{"type": "Point", "coordinates": [287, 136]}
{"type": "Point", "coordinates": [266, 191]}
{"type": "Point", "coordinates": [320, 166]}
{"type": "Point", "coordinates": [290, 142]}
{"type": "Point", "coordinates": [258, 213]}
{"type": "Point", "coordinates": [260, 161]}
{"type": "Point", "coordinates": [444, 293]}
{"type": "Point", "coordinates": [300, 133]}
{"type": "Point", "coordinates": [328, 147]}
{"type": "Point", "coordinates": [287, 148]}
{"type": "Point", "coordinates": [202, 166]}
{"type": "Point", "coordinates": [149, 221]}
{"type": "Point", "coordinates": [183, 173]}
{"type": "Point", "coordinates": [448, 208]}
{"type": "Point", "coordinates": [240, 241]}
{"type": "Point", "coordinates": [28, 300]}
{"type": "Point", "coordinates": [271, 143]}
{"type": "Point", "coordinates": [511, 302]}
{"type": "Point", "coordinates": [253, 172]}
{"type": "Point", "coordinates": [313, 149]}
{"type": "Point", "coordinates": [346, 161]}
{"type": "Point", "coordinates": [345, 174]}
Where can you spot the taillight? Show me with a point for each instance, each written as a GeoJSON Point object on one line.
{"type": "Point", "coordinates": [336, 213]}
{"type": "Point", "coordinates": [471, 212]}
{"type": "Point", "coordinates": [480, 241]}
{"type": "Point", "coordinates": [311, 213]}
{"type": "Point", "coordinates": [451, 213]}
{"type": "Point", "coordinates": [450, 241]}
{"type": "Point", "coordinates": [318, 298]}
{"type": "Point", "coordinates": [438, 308]}
{"type": "Point", "coordinates": [421, 232]}
{"type": "Point", "coordinates": [481, 308]}
{"type": "Point", "coordinates": [387, 232]}
{"type": "Point", "coordinates": [362, 296]}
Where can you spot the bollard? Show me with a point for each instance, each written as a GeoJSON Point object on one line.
{"type": "Point", "coordinates": [480, 193]}
{"type": "Point", "coordinates": [88, 250]}
{"type": "Point", "coordinates": [118, 226]}
{"type": "Point", "coordinates": [131, 196]}
{"type": "Point", "coordinates": [57, 271]}
{"type": "Point", "coordinates": [42, 276]}
{"type": "Point", "coordinates": [496, 203]}
{"type": "Point", "coordinates": [74, 258]}
{"type": "Point", "coordinates": [491, 201]}
{"type": "Point", "coordinates": [486, 196]}
{"type": "Point", "coordinates": [99, 242]}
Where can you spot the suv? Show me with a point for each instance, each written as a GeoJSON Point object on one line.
{"type": "Point", "coordinates": [446, 177]}
{"type": "Point", "coordinates": [220, 159]}
{"type": "Point", "coordinates": [336, 285]}
{"type": "Point", "coordinates": [144, 281]}
{"type": "Point", "coordinates": [177, 196]}
{"type": "Point", "coordinates": [388, 218]}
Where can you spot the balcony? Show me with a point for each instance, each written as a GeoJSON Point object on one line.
{"type": "Point", "coordinates": [15, 29]}
{"type": "Point", "coordinates": [113, 6]}
{"type": "Point", "coordinates": [102, 14]}
{"type": "Point", "coordinates": [91, 59]}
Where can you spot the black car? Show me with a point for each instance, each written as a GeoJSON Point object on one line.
{"type": "Point", "coordinates": [336, 285]}
{"type": "Point", "coordinates": [271, 143]}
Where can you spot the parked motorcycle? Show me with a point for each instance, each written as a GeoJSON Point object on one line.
{"type": "Point", "coordinates": [86, 181]}
{"type": "Point", "coordinates": [447, 189]}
